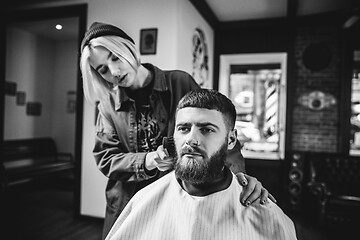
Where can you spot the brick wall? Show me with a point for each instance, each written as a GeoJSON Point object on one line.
{"type": "Point", "coordinates": [316, 130]}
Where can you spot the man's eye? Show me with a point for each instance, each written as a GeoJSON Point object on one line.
{"type": "Point", "coordinates": [207, 130]}
{"type": "Point", "coordinates": [114, 58]}
{"type": "Point", "coordinates": [182, 129]}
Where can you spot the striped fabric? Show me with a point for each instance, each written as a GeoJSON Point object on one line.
{"type": "Point", "coordinates": [163, 210]}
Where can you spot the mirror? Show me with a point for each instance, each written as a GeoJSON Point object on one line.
{"type": "Point", "coordinates": [41, 72]}
{"type": "Point", "coordinates": [256, 82]}
{"type": "Point", "coordinates": [42, 96]}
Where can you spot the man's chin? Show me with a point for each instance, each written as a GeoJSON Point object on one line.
{"type": "Point", "coordinates": [189, 168]}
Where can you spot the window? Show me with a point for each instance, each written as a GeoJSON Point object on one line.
{"type": "Point", "coordinates": [256, 85]}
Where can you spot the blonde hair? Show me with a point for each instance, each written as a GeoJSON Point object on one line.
{"type": "Point", "coordinates": [96, 87]}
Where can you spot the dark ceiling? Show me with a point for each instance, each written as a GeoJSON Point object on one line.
{"type": "Point", "coordinates": [227, 12]}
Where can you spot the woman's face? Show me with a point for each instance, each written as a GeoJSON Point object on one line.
{"type": "Point", "coordinates": [113, 69]}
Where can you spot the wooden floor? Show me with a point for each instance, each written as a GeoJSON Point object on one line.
{"type": "Point", "coordinates": [46, 213]}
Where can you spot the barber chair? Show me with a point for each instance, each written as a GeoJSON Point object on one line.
{"type": "Point", "coordinates": [335, 184]}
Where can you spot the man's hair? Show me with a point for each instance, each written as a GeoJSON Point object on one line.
{"type": "Point", "coordinates": [212, 100]}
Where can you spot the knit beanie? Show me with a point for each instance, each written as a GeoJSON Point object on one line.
{"type": "Point", "coordinates": [98, 29]}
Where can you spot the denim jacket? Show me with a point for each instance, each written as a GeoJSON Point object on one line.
{"type": "Point", "coordinates": [115, 150]}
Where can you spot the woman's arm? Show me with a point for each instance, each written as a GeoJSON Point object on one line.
{"type": "Point", "coordinates": [113, 157]}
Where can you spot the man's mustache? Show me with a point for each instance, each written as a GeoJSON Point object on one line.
{"type": "Point", "coordinates": [188, 150]}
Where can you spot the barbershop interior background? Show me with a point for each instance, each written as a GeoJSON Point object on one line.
{"type": "Point", "coordinates": [292, 69]}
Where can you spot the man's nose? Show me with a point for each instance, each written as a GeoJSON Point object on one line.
{"type": "Point", "coordinates": [193, 139]}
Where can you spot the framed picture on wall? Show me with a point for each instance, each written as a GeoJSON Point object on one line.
{"type": "Point", "coordinates": [71, 102]}
{"type": "Point", "coordinates": [33, 108]}
{"type": "Point", "coordinates": [20, 98]}
{"type": "Point", "coordinates": [10, 88]}
{"type": "Point", "coordinates": [148, 41]}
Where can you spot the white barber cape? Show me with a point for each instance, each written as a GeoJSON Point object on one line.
{"type": "Point", "coordinates": [163, 210]}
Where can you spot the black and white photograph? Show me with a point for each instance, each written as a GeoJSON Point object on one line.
{"type": "Point", "coordinates": [181, 120]}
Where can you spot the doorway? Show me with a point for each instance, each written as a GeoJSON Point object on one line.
{"type": "Point", "coordinates": [42, 93]}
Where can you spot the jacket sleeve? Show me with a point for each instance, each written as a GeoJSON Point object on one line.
{"type": "Point", "coordinates": [111, 157]}
{"type": "Point", "coordinates": [235, 160]}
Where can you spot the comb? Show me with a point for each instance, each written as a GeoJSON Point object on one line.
{"type": "Point", "coordinates": [169, 145]}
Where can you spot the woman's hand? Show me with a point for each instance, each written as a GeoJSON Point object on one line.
{"type": "Point", "coordinates": [164, 162]}
{"type": "Point", "coordinates": [253, 190]}
{"type": "Point", "coordinates": [159, 159]}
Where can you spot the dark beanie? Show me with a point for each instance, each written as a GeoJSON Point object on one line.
{"type": "Point", "coordinates": [98, 29]}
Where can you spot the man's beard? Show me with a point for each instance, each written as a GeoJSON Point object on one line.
{"type": "Point", "coordinates": [203, 170]}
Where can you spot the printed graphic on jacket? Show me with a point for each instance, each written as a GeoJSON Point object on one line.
{"type": "Point", "coordinates": [149, 135]}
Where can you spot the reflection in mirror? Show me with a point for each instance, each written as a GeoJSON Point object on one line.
{"type": "Point", "coordinates": [255, 91]}
{"type": "Point", "coordinates": [41, 69]}
{"type": "Point", "coordinates": [256, 83]}
{"type": "Point", "coordinates": [355, 107]}
{"type": "Point", "coordinates": [42, 118]}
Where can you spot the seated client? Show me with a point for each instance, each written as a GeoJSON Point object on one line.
{"type": "Point", "coordinates": [200, 198]}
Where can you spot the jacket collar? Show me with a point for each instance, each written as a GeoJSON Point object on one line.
{"type": "Point", "coordinates": [160, 85]}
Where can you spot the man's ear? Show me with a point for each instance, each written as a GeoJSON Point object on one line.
{"type": "Point", "coordinates": [232, 137]}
